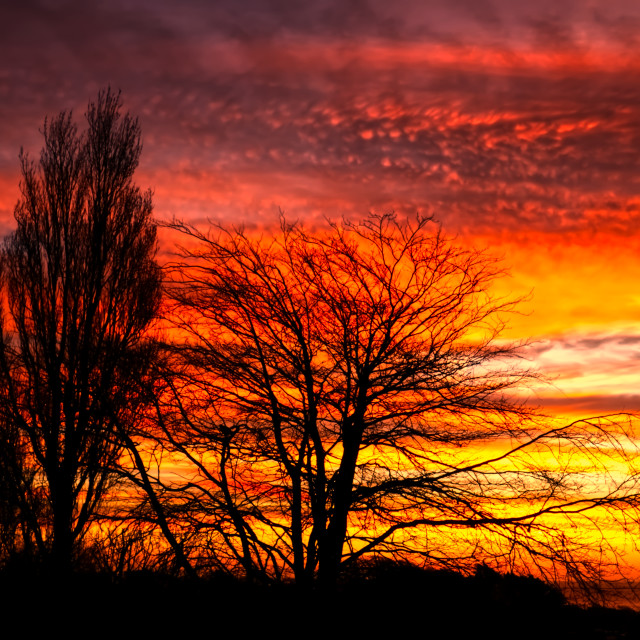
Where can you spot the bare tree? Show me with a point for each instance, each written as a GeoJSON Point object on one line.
{"type": "Point", "coordinates": [20, 503]}
{"type": "Point", "coordinates": [80, 288]}
{"type": "Point", "coordinates": [337, 395]}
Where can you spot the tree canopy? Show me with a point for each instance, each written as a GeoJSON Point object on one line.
{"type": "Point", "coordinates": [339, 394]}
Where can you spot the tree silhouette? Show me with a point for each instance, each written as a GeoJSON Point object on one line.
{"type": "Point", "coordinates": [80, 288]}
{"type": "Point", "coordinates": [337, 395]}
{"type": "Point", "coordinates": [20, 534]}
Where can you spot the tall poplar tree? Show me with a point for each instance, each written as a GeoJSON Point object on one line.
{"type": "Point", "coordinates": [80, 285]}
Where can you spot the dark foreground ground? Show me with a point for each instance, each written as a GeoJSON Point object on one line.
{"type": "Point", "coordinates": [398, 602]}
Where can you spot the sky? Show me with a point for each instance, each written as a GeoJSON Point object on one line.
{"type": "Point", "coordinates": [517, 125]}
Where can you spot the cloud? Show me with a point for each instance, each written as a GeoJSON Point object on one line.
{"type": "Point", "coordinates": [587, 372]}
{"type": "Point", "coordinates": [514, 124]}
{"type": "Point", "coordinates": [486, 114]}
{"type": "Point", "coordinates": [590, 405]}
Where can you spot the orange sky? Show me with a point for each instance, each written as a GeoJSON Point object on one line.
{"type": "Point", "coordinates": [517, 127]}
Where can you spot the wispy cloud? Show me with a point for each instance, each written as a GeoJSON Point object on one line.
{"type": "Point", "coordinates": [587, 372]}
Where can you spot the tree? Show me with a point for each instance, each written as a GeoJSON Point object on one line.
{"type": "Point", "coordinates": [342, 394]}
{"type": "Point", "coordinates": [80, 286]}
{"type": "Point", "coordinates": [20, 501]}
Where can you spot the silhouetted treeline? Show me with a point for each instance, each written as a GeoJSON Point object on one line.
{"type": "Point", "coordinates": [382, 598]}
{"type": "Point", "coordinates": [278, 409]}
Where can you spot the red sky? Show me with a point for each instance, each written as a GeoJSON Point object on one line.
{"type": "Point", "coordinates": [517, 126]}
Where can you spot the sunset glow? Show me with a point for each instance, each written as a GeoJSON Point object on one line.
{"type": "Point", "coordinates": [516, 126]}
